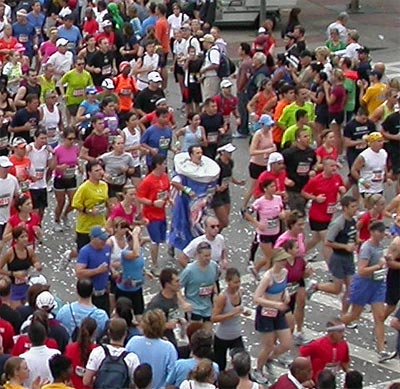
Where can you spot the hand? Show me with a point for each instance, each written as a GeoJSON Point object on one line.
{"type": "Point", "coordinates": [20, 274]}
{"type": "Point", "coordinates": [389, 181]}
{"type": "Point", "coordinates": [241, 183]}
{"type": "Point", "coordinates": [136, 231]}
{"type": "Point", "coordinates": [260, 226]}
{"type": "Point", "coordinates": [309, 384]}
{"type": "Point", "coordinates": [97, 70]}
{"type": "Point", "coordinates": [320, 199]}
{"type": "Point", "coordinates": [221, 130]}
{"type": "Point", "coordinates": [246, 312]}
{"type": "Point", "coordinates": [38, 266]}
{"type": "Point", "coordinates": [366, 185]}
{"type": "Point", "coordinates": [382, 263]}
{"type": "Point", "coordinates": [103, 268]}
{"type": "Point", "coordinates": [28, 126]}
{"type": "Point", "coordinates": [158, 203]}
{"type": "Point", "coordinates": [282, 307]}
{"type": "Point", "coordinates": [312, 173]}
{"type": "Point", "coordinates": [153, 151]}
{"type": "Point", "coordinates": [224, 264]}
{"type": "Point", "coordinates": [62, 167]}
{"type": "Point", "coordinates": [350, 247]}
{"type": "Point", "coordinates": [238, 310]}
{"type": "Point", "coordinates": [192, 194]}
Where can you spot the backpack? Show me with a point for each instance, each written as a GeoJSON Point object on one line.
{"type": "Point", "coordinates": [74, 335]}
{"type": "Point", "coordinates": [113, 372]}
{"type": "Point", "coordinates": [226, 67]}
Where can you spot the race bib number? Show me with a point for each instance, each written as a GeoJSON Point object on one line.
{"type": "Point", "coordinates": [3, 142]}
{"type": "Point", "coordinates": [162, 195]}
{"type": "Point", "coordinates": [32, 132]}
{"type": "Point", "coordinates": [80, 371]}
{"type": "Point", "coordinates": [21, 280]}
{"type": "Point", "coordinates": [303, 168]}
{"type": "Point", "coordinates": [163, 143]}
{"type": "Point", "coordinates": [5, 200]}
{"type": "Point", "coordinates": [39, 173]}
{"type": "Point", "coordinates": [379, 275]}
{"type": "Point", "coordinates": [24, 185]}
{"type": "Point", "coordinates": [226, 180]}
{"type": "Point", "coordinates": [23, 38]}
{"type": "Point", "coordinates": [212, 137]}
{"type": "Point", "coordinates": [269, 312]}
{"type": "Point", "coordinates": [78, 92]}
{"type": "Point", "coordinates": [206, 291]}
{"type": "Point", "coordinates": [125, 92]}
{"type": "Point", "coordinates": [117, 180]}
{"type": "Point", "coordinates": [105, 70]}
{"type": "Point", "coordinates": [292, 288]}
{"type": "Point", "coordinates": [69, 172]}
{"type": "Point", "coordinates": [377, 176]}
{"type": "Point", "coordinates": [51, 132]}
{"type": "Point", "coordinates": [38, 30]}
{"type": "Point", "coordinates": [272, 226]}
{"type": "Point", "coordinates": [331, 209]}
{"type": "Point", "coordinates": [100, 209]}
{"type": "Point", "coordinates": [70, 45]}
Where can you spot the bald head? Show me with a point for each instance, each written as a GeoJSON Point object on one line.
{"type": "Point", "coordinates": [301, 369]}
{"type": "Point", "coordinates": [380, 67]}
{"type": "Point", "coordinates": [210, 221]}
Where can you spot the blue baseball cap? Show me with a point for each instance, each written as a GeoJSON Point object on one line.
{"type": "Point", "coordinates": [266, 120]}
{"type": "Point", "coordinates": [99, 233]}
{"type": "Point", "coordinates": [91, 90]}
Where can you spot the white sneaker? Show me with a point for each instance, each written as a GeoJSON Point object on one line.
{"type": "Point", "coordinates": [259, 377]}
{"type": "Point", "coordinates": [57, 227]}
{"type": "Point", "coordinates": [66, 222]}
{"type": "Point", "coordinates": [65, 260]}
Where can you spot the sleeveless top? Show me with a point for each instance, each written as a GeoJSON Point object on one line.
{"type": "Point", "coordinates": [20, 263]}
{"type": "Point", "coordinates": [265, 142]}
{"type": "Point", "coordinates": [229, 329]}
{"type": "Point", "coordinates": [262, 100]}
{"type": "Point", "coordinates": [276, 287]}
{"type": "Point", "coordinates": [116, 250]}
{"type": "Point", "coordinates": [132, 140]}
{"type": "Point", "coordinates": [50, 123]}
{"type": "Point", "coordinates": [191, 138]}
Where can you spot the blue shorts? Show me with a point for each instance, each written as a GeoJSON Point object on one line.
{"type": "Point", "coordinates": [157, 231]}
{"type": "Point", "coordinates": [270, 324]}
{"type": "Point", "coordinates": [365, 291]}
{"type": "Point", "coordinates": [341, 265]}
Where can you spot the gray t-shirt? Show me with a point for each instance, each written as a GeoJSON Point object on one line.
{"type": "Point", "coordinates": [115, 165]}
{"type": "Point", "coordinates": [370, 252]}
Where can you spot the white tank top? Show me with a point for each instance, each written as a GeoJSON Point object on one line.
{"type": "Point", "coordinates": [38, 169]}
{"type": "Point", "coordinates": [133, 140]}
{"type": "Point", "coordinates": [116, 250]}
{"type": "Point", "coordinates": [50, 123]}
{"type": "Point", "coordinates": [373, 171]}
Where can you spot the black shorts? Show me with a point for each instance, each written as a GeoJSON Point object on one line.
{"type": "Point", "coordinates": [394, 158]}
{"type": "Point", "coordinates": [195, 317]}
{"type": "Point", "coordinates": [114, 189]}
{"type": "Point", "coordinates": [136, 298]}
{"type": "Point", "coordinates": [270, 324]}
{"type": "Point", "coordinates": [292, 302]}
{"type": "Point", "coordinates": [137, 173]}
{"type": "Point", "coordinates": [220, 199]}
{"type": "Point", "coordinates": [65, 183]}
{"type": "Point", "coordinates": [2, 228]}
{"type": "Point", "coordinates": [39, 198]}
{"type": "Point", "coordinates": [162, 62]}
{"type": "Point", "coordinates": [318, 226]}
{"type": "Point", "coordinates": [255, 170]}
{"type": "Point", "coordinates": [338, 117]}
{"type": "Point", "coordinates": [392, 288]}
{"type": "Point", "coordinates": [323, 119]}
{"type": "Point", "coordinates": [73, 109]}
{"type": "Point", "coordinates": [192, 94]}
{"type": "Point", "coordinates": [267, 238]}
{"type": "Point", "coordinates": [82, 240]}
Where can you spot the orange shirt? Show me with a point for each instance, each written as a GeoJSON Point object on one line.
{"type": "Point", "coordinates": [277, 132]}
{"type": "Point", "coordinates": [162, 33]}
{"type": "Point", "coordinates": [262, 102]}
{"type": "Point", "coordinates": [21, 171]}
{"type": "Point", "coordinates": [125, 88]}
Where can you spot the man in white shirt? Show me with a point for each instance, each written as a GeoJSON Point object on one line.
{"type": "Point", "coordinates": [190, 40]}
{"type": "Point", "coordinates": [211, 236]}
{"type": "Point", "coordinates": [117, 331]}
{"type": "Point", "coordinates": [340, 25]}
{"type": "Point", "coordinates": [212, 59]}
{"type": "Point", "coordinates": [62, 59]}
{"type": "Point", "coordinates": [351, 50]}
{"type": "Point", "coordinates": [37, 357]}
{"type": "Point", "coordinates": [9, 187]}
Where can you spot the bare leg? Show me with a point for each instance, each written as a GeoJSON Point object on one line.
{"type": "Point", "coordinates": [299, 308]}
{"type": "Point", "coordinates": [378, 311]}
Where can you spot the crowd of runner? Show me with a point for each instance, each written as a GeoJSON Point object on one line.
{"type": "Point", "coordinates": [87, 121]}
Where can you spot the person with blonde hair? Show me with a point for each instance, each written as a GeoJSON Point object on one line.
{"type": "Point", "coordinates": [151, 348]}
{"type": "Point", "coordinates": [322, 54]}
{"type": "Point", "coordinates": [202, 376]}
{"type": "Point", "coordinates": [16, 372]}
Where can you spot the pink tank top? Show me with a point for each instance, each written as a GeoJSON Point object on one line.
{"type": "Point", "coordinates": [265, 141]}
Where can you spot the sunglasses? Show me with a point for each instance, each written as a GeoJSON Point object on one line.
{"type": "Point", "coordinates": [215, 226]}
{"type": "Point", "coordinates": [73, 138]}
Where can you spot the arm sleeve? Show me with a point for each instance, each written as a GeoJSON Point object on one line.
{"type": "Point", "coordinates": [334, 228]}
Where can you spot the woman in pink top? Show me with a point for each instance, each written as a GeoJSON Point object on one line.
{"type": "Point", "coordinates": [261, 146]}
{"type": "Point", "coordinates": [48, 47]}
{"type": "Point", "coordinates": [65, 184]}
{"type": "Point", "coordinates": [128, 209]}
{"type": "Point", "coordinates": [336, 97]}
{"type": "Point", "coordinates": [293, 239]}
{"type": "Point", "coordinates": [269, 209]}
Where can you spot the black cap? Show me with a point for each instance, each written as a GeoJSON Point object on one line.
{"type": "Point", "coordinates": [363, 49]}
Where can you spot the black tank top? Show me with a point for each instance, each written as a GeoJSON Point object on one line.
{"type": "Point", "coordinates": [20, 263]}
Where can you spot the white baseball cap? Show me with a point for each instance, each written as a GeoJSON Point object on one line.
{"type": "Point", "coordinates": [45, 300]}
{"type": "Point", "coordinates": [61, 42]}
{"type": "Point", "coordinates": [108, 84]}
{"type": "Point", "coordinates": [229, 148]}
{"type": "Point", "coordinates": [225, 84]}
{"type": "Point", "coordinates": [154, 77]}
{"type": "Point", "coordinates": [5, 162]}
